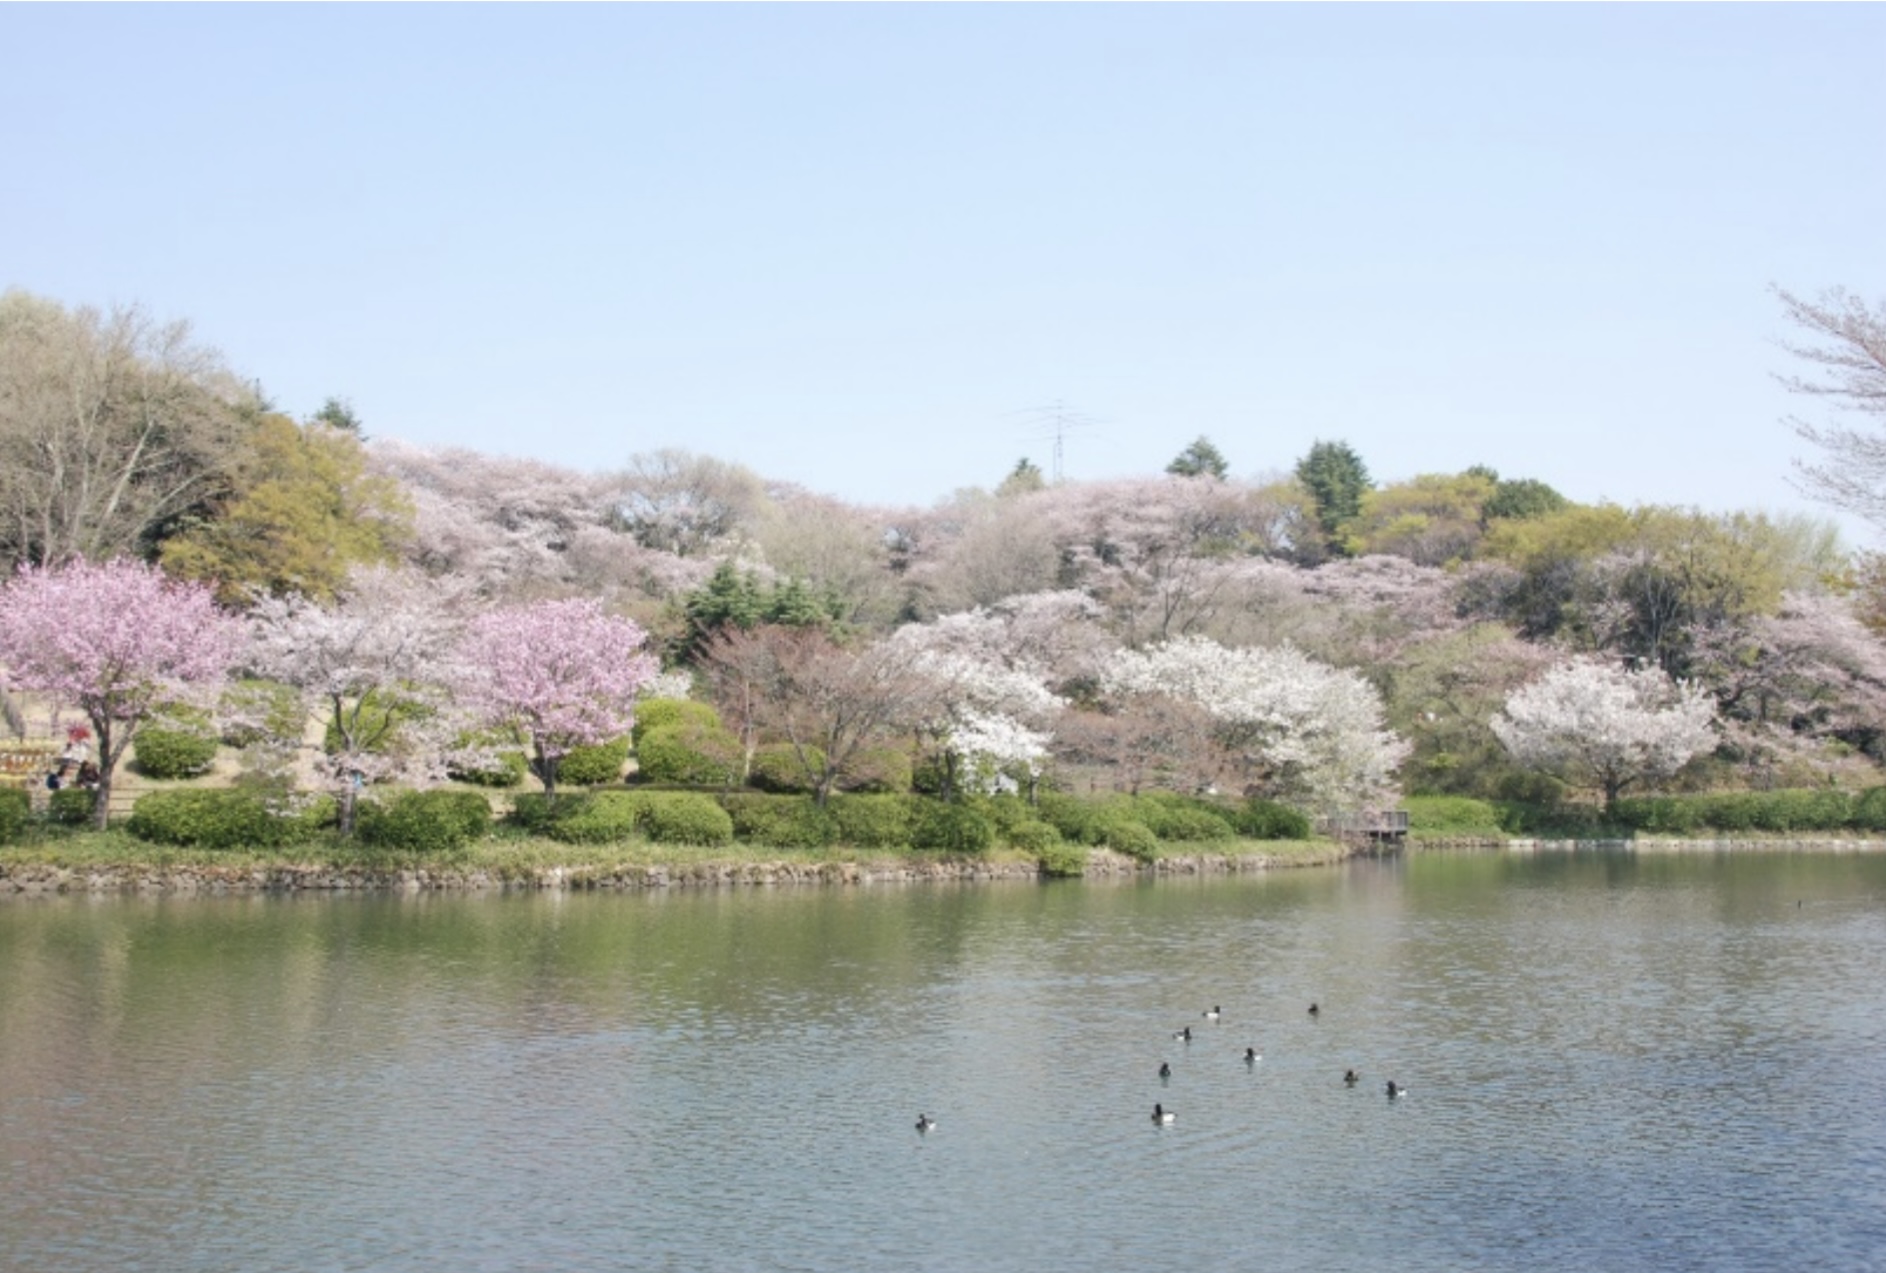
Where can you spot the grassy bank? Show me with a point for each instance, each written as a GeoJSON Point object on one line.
{"type": "Point", "coordinates": [509, 855]}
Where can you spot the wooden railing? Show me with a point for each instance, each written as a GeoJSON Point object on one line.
{"type": "Point", "coordinates": [1379, 826]}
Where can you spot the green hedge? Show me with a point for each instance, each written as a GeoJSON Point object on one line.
{"type": "Point", "coordinates": [16, 808]}
{"type": "Point", "coordinates": [670, 713]}
{"type": "Point", "coordinates": [687, 753]}
{"type": "Point", "coordinates": [683, 817]}
{"type": "Point", "coordinates": [1261, 819]}
{"type": "Point", "coordinates": [1127, 835]}
{"type": "Point", "coordinates": [600, 817]}
{"type": "Point", "coordinates": [172, 747]}
{"type": "Point", "coordinates": [871, 822]}
{"type": "Point", "coordinates": [1185, 818]}
{"type": "Point", "coordinates": [951, 828]}
{"type": "Point", "coordinates": [1457, 816]}
{"type": "Point", "coordinates": [423, 821]}
{"type": "Point", "coordinates": [72, 806]}
{"type": "Point", "coordinates": [1816, 809]}
{"type": "Point", "coordinates": [777, 768]}
{"type": "Point", "coordinates": [1869, 810]}
{"type": "Point", "coordinates": [595, 765]}
{"type": "Point", "coordinates": [780, 822]}
{"type": "Point", "coordinates": [229, 818]}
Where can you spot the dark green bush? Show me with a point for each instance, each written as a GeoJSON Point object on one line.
{"type": "Point", "coordinates": [1033, 837]}
{"type": "Point", "coordinates": [1261, 819]}
{"type": "Point", "coordinates": [687, 753]}
{"type": "Point", "coordinates": [72, 806]}
{"type": "Point", "coordinates": [1061, 859]}
{"type": "Point", "coordinates": [1127, 835]}
{"type": "Point", "coordinates": [777, 768]}
{"type": "Point", "coordinates": [226, 819]}
{"type": "Point", "coordinates": [423, 821]}
{"type": "Point", "coordinates": [601, 817]}
{"type": "Point", "coordinates": [595, 765]}
{"type": "Point", "coordinates": [780, 822]}
{"type": "Point", "coordinates": [1006, 811]}
{"type": "Point", "coordinates": [1869, 810]}
{"type": "Point", "coordinates": [878, 771]}
{"type": "Point", "coordinates": [668, 713]}
{"type": "Point", "coordinates": [268, 710]}
{"type": "Point", "coordinates": [534, 812]}
{"type": "Point", "coordinates": [1814, 809]}
{"type": "Point", "coordinates": [179, 743]}
{"type": "Point", "coordinates": [1079, 821]}
{"type": "Point", "coordinates": [1181, 818]}
{"type": "Point", "coordinates": [682, 817]}
{"type": "Point", "coordinates": [951, 828]}
{"type": "Point", "coordinates": [1660, 815]}
{"type": "Point", "coordinates": [16, 807]}
{"type": "Point", "coordinates": [871, 822]}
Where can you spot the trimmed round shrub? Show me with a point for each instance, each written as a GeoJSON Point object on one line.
{"type": "Point", "coordinates": [687, 753]}
{"type": "Point", "coordinates": [600, 817]}
{"type": "Point", "coordinates": [72, 806]}
{"type": "Point", "coordinates": [779, 822]}
{"type": "Point", "coordinates": [229, 818]}
{"type": "Point", "coordinates": [423, 821]}
{"type": "Point", "coordinates": [683, 817]}
{"type": "Point", "coordinates": [871, 822]}
{"type": "Point", "coordinates": [1131, 837]}
{"type": "Point", "coordinates": [951, 828]}
{"type": "Point", "coordinates": [878, 771]}
{"type": "Point", "coordinates": [777, 768]}
{"type": "Point", "coordinates": [15, 808]}
{"type": "Point", "coordinates": [534, 812]}
{"type": "Point", "coordinates": [176, 744]}
{"type": "Point", "coordinates": [1061, 859]}
{"type": "Point", "coordinates": [1033, 837]}
{"type": "Point", "coordinates": [270, 710]}
{"type": "Point", "coordinates": [1267, 820]}
{"type": "Point", "coordinates": [668, 713]}
{"type": "Point", "coordinates": [595, 765]}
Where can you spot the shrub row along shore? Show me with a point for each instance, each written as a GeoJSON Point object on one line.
{"type": "Point", "coordinates": [74, 867]}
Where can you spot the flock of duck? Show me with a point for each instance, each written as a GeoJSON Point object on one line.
{"type": "Point", "coordinates": [1163, 1116]}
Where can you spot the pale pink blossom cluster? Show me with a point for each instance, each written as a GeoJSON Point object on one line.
{"type": "Point", "coordinates": [562, 674]}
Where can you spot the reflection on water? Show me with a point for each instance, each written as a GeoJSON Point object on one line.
{"type": "Point", "coordinates": [1614, 1062]}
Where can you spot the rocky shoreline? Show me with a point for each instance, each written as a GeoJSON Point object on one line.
{"type": "Point", "coordinates": [210, 880]}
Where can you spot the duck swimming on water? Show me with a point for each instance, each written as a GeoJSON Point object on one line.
{"type": "Point", "coordinates": [1252, 1055]}
{"type": "Point", "coordinates": [1185, 1034]}
{"type": "Point", "coordinates": [925, 1122]}
{"type": "Point", "coordinates": [1351, 1077]}
{"type": "Point", "coordinates": [1162, 1115]}
{"type": "Point", "coordinates": [1395, 1090]}
{"type": "Point", "coordinates": [1212, 1014]}
{"type": "Point", "coordinates": [1165, 1070]}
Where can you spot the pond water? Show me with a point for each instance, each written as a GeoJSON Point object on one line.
{"type": "Point", "coordinates": [1613, 1062]}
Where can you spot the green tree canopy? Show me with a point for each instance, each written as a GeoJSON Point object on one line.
{"type": "Point", "coordinates": [1336, 479]}
{"type": "Point", "coordinates": [1199, 459]}
{"type": "Point", "coordinates": [1024, 479]}
{"type": "Point", "coordinates": [305, 512]}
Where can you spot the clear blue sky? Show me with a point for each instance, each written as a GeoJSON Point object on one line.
{"type": "Point", "coordinates": [850, 246]}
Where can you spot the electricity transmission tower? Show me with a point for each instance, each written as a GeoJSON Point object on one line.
{"type": "Point", "coordinates": [1056, 420]}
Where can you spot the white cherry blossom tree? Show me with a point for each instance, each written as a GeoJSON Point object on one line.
{"type": "Point", "coordinates": [1601, 723]}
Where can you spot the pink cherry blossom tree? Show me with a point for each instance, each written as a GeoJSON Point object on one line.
{"type": "Point", "coordinates": [116, 640]}
{"type": "Point", "coordinates": [375, 669]}
{"type": "Point", "coordinates": [1602, 722]}
{"type": "Point", "coordinates": [562, 674]}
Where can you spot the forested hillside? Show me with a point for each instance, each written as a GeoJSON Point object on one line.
{"type": "Point", "coordinates": [1323, 635]}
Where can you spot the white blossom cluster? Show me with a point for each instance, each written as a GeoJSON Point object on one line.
{"type": "Point", "coordinates": [1607, 723]}
{"type": "Point", "coordinates": [1309, 731]}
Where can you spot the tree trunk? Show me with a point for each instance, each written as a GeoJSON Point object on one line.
{"type": "Point", "coordinates": [107, 764]}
